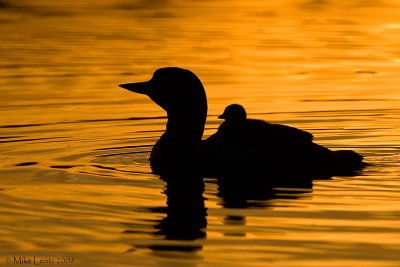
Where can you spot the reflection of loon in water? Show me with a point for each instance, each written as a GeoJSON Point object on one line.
{"type": "Point", "coordinates": [185, 216]}
{"type": "Point", "coordinates": [241, 146]}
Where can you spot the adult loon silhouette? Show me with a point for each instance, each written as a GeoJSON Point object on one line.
{"type": "Point", "coordinates": [240, 146]}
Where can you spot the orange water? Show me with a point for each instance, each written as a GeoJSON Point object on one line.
{"type": "Point", "coordinates": [75, 180]}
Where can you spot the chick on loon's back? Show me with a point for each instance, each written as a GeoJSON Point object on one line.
{"type": "Point", "coordinates": [238, 128]}
{"type": "Point", "coordinates": [261, 147]}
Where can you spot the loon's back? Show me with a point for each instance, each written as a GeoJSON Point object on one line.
{"type": "Point", "coordinates": [256, 147]}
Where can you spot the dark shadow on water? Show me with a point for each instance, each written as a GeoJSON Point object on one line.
{"type": "Point", "coordinates": [3, 4]}
{"type": "Point", "coordinates": [185, 215]}
{"type": "Point", "coordinates": [30, 163]}
{"type": "Point", "coordinates": [236, 192]}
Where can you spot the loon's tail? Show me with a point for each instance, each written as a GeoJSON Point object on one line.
{"type": "Point", "coordinates": [348, 161]}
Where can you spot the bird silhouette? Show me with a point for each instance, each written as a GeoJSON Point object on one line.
{"type": "Point", "coordinates": [241, 146]}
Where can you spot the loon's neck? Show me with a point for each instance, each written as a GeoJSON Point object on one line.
{"type": "Point", "coordinates": [178, 148]}
{"type": "Point", "coordinates": [186, 127]}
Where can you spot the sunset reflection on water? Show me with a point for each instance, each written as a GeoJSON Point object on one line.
{"type": "Point", "coordinates": [75, 178]}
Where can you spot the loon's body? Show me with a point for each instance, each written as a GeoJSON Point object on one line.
{"type": "Point", "coordinates": [274, 149]}
{"type": "Point", "coordinates": [240, 145]}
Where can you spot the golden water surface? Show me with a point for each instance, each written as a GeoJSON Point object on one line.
{"type": "Point", "coordinates": [75, 182]}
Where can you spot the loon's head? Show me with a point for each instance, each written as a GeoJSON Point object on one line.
{"type": "Point", "coordinates": [181, 94]}
{"type": "Point", "coordinates": [174, 89]}
{"type": "Point", "coordinates": [234, 113]}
